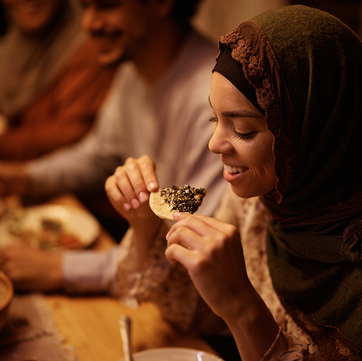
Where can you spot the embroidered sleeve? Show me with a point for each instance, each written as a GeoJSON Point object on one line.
{"type": "Point", "coordinates": [287, 347]}
{"type": "Point", "coordinates": [292, 342]}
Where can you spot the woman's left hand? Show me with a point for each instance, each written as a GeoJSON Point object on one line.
{"type": "Point", "coordinates": [211, 252]}
{"type": "Point", "coordinates": [128, 190]}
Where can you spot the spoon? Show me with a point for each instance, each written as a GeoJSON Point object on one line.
{"type": "Point", "coordinates": [125, 330]}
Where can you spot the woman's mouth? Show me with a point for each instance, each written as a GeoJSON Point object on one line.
{"type": "Point", "coordinates": [234, 174]}
{"type": "Point", "coordinates": [235, 170]}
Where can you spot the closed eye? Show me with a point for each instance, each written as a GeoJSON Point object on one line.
{"type": "Point", "coordinates": [242, 136]}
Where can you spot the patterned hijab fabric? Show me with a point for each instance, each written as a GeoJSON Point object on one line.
{"type": "Point", "coordinates": [306, 68]}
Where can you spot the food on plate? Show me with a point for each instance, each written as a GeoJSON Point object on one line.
{"type": "Point", "coordinates": [52, 233]}
{"type": "Point", "coordinates": [167, 201]}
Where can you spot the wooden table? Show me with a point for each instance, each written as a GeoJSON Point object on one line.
{"type": "Point", "coordinates": [90, 324]}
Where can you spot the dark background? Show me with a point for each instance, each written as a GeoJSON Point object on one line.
{"type": "Point", "coordinates": [2, 19]}
{"type": "Point", "coordinates": [349, 11]}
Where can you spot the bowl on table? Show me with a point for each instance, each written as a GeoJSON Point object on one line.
{"type": "Point", "coordinates": [6, 295]}
{"type": "Point", "coordinates": [174, 354]}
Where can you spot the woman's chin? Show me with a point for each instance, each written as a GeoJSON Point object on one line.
{"type": "Point", "coordinates": [242, 192]}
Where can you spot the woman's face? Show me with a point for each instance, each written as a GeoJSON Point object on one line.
{"type": "Point", "coordinates": [31, 16]}
{"type": "Point", "coordinates": [242, 139]}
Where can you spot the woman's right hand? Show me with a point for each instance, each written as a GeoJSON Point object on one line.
{"type": "Point", "coordinates": [211, 252]}
{"type": "Point", "coordinates": [129, 187]}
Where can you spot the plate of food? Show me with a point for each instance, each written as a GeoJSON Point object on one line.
{"type": "Point", "coordinates": [174, 354]}
{"type": "Point", "coordinates": [53, 227]}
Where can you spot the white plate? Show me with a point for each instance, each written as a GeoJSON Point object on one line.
{"type": "Point", "coordinates": [174, 354]}
{"type": "Point", "coordinates": [75, 221]}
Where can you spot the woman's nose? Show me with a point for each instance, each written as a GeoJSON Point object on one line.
{"type": "Point", "coordinates": [219, 142]}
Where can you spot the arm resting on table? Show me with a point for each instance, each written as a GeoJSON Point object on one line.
{"type": "Point", "coordinates": [90, 271]}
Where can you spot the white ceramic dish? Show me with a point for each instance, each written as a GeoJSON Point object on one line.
{"type": "Point", "coordinates": [74, 220]}
{"type": "Point", "coordinates": [174, 354]}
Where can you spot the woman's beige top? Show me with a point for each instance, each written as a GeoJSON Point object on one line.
{"type": "Point", "coordinates": [170, 287]}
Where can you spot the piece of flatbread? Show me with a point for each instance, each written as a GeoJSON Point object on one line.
{"type": "Point", "coordinates": [166, 201]}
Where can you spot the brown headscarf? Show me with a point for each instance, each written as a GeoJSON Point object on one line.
{"type": "Point", "coordinates": [306, 68]}
{"type": "Point", "coordinates": [28, 63]}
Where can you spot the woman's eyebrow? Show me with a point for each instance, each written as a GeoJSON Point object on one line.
{"type": "Point", "coordinates": [241, 114]}
{"type": "Point", "coordinates": [238, 113]}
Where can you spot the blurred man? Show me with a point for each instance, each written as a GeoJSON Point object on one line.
{"type": "Point", "coordinates": [158, 106]}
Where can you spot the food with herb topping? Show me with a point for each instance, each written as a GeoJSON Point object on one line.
{"type": "Point", "coordinates": [167, 201]}
{"type": "Point", "coordinates": [52, 233]}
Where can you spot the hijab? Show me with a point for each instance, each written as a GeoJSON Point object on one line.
{"type": "Point", "coordinates": [306, 68]}
{"type": "Point", "coordinates": [30, 62]}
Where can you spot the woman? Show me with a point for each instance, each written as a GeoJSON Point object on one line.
{"type": "Point", "coordinates": [51, 84]}
{"type": "Point", "coordinates": [286, 96]}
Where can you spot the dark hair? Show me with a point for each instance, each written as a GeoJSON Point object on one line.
{"type": "Point", "coordinates": [183, 10]}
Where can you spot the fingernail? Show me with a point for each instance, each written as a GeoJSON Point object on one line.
{"type": "Point", "coordinates": [135, 203]}
{"type": "Point", "coordinates": [143, 197]}
{"type": "Point", "coordinates": [126, 206]}
{"type": "Point", "coordinates": [152, 186]}
{"type": "Point", "coordinates": [176, 214]}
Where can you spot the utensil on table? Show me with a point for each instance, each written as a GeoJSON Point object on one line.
{"type": "Point", "coordinates": [125, 330]}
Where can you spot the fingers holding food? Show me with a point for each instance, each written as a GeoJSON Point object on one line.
{"type": "Point", "coordinates": [128, 181]}
{"type": "Point", "coordinates": [148, 171]}
{"type": "Point", "coordinates": [211, 252]}
{"type": "Point", "coordinates": [131, 183]}
{"type": "Point", "coordinates": [115, 196]}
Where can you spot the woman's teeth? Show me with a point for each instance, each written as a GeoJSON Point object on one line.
{"type": "Point", "coordinates": [234, 170]}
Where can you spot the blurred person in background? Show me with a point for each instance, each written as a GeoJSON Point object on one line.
{"type": "Point", "coordinates": [51, 84]}
{"type": "Point", "coordinates": [158, 105]}
{"type": "Point", "coordinates": [158, 94]}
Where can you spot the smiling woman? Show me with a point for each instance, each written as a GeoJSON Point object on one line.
{"type": "Point", "coordinates": [283, 269]}
{"type": "Point", "coordinates": [242, 139]}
